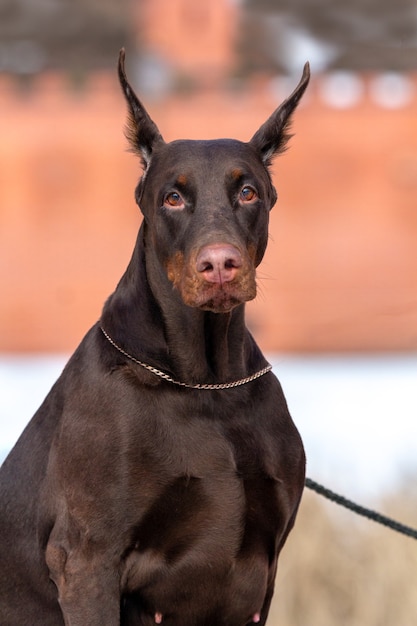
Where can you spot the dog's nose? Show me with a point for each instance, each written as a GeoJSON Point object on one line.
{"type": "Point", "coordinates": [218, 263]}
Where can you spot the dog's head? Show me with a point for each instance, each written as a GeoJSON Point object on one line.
{"type": "Point", "coordinates": [206, 203]}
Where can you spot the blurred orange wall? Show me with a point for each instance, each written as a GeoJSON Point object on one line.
{"type": "Point", "coordinates": [341, 269]}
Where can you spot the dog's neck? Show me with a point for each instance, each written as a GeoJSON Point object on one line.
{"type": "Point", "coordinates": [147, 317]}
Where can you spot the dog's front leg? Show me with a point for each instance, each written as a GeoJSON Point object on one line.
{"type": "Point", "coordinates": [87, 583]}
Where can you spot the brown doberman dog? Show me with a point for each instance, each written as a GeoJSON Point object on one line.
{"type": "Point", "coordinates": [159, 480]}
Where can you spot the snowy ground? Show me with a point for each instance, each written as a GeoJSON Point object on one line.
{"type": "Point", "coordinates": [357, 415]}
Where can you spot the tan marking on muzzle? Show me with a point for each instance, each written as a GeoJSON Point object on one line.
{"type": "Point", "coordinates": [175, 268]}
{"type": "Point", "coordinates": [197, 292]}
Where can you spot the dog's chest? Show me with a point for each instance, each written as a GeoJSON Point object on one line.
{"type": "Point", "coordinates": [213, 515]}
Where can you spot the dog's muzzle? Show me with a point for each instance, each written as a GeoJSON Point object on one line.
{"type": "Point", "coordinates": [216, 278]}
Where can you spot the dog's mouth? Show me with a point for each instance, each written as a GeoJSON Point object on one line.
{"type": "Point", "coordinates": [219, 299]}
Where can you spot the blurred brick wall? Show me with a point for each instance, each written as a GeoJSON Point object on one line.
{"type": "Point", "coordinates": [341, 269]}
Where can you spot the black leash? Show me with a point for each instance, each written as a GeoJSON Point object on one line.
{"type": "Point", "coordinates": [360, 510]}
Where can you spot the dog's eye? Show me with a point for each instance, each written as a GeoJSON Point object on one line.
{"type": "Point", "coordinates": [248, 194]}
{"type": "Point", "coordinates": [173, 200]}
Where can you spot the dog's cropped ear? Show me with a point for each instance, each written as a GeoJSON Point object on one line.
{"type": "Point", "coordinates": [272, 137]}
{"type": "Point", "coordinates": [141, 132]}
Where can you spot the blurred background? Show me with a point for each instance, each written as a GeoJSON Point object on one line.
{"type": "Point", "coordinates": [337, 306]}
